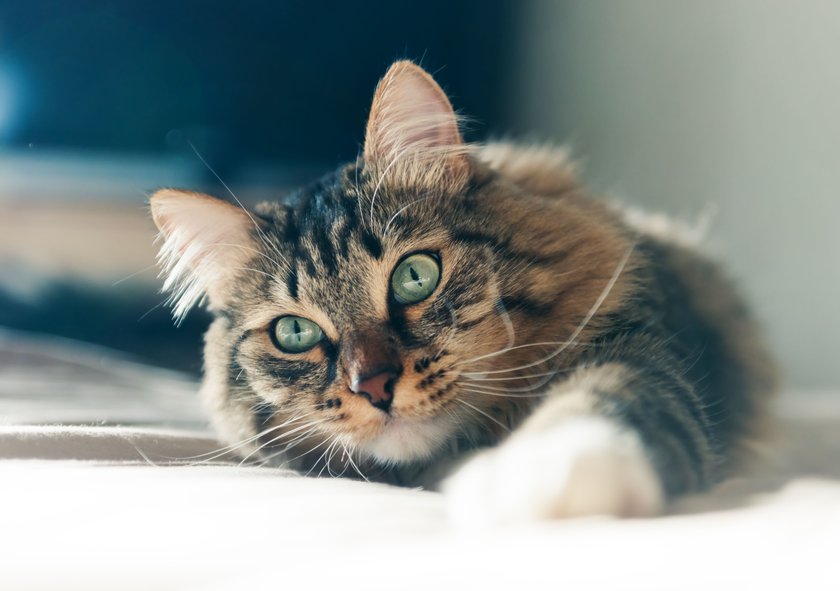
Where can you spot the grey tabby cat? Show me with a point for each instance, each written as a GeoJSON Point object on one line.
{"type": "Point", "coordinates": [466, 316]}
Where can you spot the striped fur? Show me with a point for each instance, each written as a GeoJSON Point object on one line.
{"type": "Point", "coordinates": [550, 308]}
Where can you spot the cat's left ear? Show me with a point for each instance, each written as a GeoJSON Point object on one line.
{"type": "Point", "coordinates": [412, 134]}
{"type": "Point", "coordinates": [206, 241]}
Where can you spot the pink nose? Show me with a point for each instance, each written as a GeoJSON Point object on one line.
{"type": "Point", "coordinates": [377, 388]}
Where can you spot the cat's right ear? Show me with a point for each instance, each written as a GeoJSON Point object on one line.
{"type": "Point", "coordinates": [205, 241]}
{"type": "Point", "coordinates": [412, 137]}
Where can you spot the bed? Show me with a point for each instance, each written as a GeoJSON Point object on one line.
{"type": "Point", "coordinates": [111, 480]}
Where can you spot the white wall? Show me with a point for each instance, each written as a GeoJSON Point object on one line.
{"type": "Point", "coordinates": [675, 105]}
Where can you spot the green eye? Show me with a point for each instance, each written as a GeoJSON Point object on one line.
{"type": "Point", "coordinates": [294, 334]}
{"type": "Point", "coordinates": [415, 278]}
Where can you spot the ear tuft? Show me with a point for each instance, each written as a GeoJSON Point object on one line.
{"type": "Point", "coordinates": [205, 242]}
{"type": "Point", "coordinates": [412, 130]}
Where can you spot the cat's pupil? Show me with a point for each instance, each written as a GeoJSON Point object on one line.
{"type": "Point", "coordinates": [415, 276]}
{"type": "Point", "coordinates": [297, 330]}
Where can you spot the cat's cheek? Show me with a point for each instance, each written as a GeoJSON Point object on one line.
{"type": "Point", "coordinates": [583, 467]}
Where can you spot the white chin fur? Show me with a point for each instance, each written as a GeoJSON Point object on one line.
{"type": "Point", "coordinates": [584, 466]}
{"type": "Point", "coordinates": [404, 440]}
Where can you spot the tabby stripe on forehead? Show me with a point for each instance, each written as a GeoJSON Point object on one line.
{"type": "Point", "coordinates": [292, 282]}
{"type": "Point", "coordinates": [325, 248]}
{"type": "Point", "coordinates": [293, 237]}
{"type": "Point", "coordinates": [351, 222]}
{"type": "Point", "coordinates": [372, 244]}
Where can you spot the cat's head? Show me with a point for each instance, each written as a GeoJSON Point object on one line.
{"type": "Point", "coordinates": [372, 307]}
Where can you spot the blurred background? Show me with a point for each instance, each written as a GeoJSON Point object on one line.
{"type": "Point", "coordinates": [728, 106]}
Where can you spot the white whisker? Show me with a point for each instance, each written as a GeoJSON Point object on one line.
{"type": "Point", "coordinates": [508, 349]}
{"type": "Point", "coordinates": [589, 315]}
{"type": "Point", "coordinates": [478, 410]}
{"type": "Point", "coordinates": [309, 451]}
{"type": "Point", "coordinates": [503, 314]}
{"type": "Point", "coordinates": [500, 395]}
{"type": "Point", "coordinates": [234, 446]}
{"type": "Point", "coordinates": [476, 380]}
{"type": "Point", "coordinates": [308, 427]}
{"type": "Point", "coordinates": [315, 464]}
{"type": "Point", "coordinates": [135, 274]}
{"type": "Point", "coordinates": [352, 463]}
{"type": "Point", "coordinates": [402, 209]}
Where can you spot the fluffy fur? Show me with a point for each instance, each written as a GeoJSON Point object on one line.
{"type": "Point", "coordinates": [568, 363]}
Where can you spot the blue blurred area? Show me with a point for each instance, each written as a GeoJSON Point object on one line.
{"type": "Point", "coordinates": [247, 82]}
{"type": "Point", "coordinates": [101, 102]}
{"type": "Point", "coordinates": [726, 105]}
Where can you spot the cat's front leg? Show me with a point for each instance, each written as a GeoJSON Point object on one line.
{"type": "Point", "coordinates": [607, 441]}
{"type": "Point", "coordinates": [586, 466]}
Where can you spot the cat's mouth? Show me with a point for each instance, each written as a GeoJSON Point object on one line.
{"type": "Point", "coordinates": [403, 439]}
{"type": "Point", "coordinates": [414, 427]}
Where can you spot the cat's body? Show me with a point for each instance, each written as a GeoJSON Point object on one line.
{"type": "Point", "coordinates": [606, 369]}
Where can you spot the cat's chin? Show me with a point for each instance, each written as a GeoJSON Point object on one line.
{"type": "Point", "coordinates": [402, 440]}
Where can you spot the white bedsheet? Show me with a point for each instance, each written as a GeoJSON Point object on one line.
{"type": "Point", "coordinates": [122, 499]}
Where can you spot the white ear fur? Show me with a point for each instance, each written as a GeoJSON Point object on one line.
{"type": "Point", "coordinates": [205, 241]}
{"type": "Point", "coordinates": [412, 131]}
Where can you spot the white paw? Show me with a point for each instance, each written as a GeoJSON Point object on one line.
{"type": "Point", "coordinates": [585, 466]}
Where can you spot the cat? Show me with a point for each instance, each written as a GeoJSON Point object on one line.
{"type": "Point", "coordinates": [467, 318]}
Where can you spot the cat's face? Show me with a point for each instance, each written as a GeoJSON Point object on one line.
{"type": "Point", "coordinates": [366, 327]}
{"type": "Point", "coordinates": [371, 309]}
